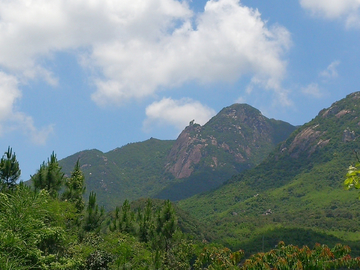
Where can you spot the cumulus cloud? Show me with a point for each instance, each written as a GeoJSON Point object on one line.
{"type": "Point", "coordinates": [10, 118]}
{"type": "Point", "coordinates": [330, 71]}
{"type": "Point", "coordinates": [139, 47]}
{"type": "Point", "coordinates": [348, 10]}
{"type": "Point", "coordinates": [177, 113]}
{"type": "Point", "coordinates": [225, 42]}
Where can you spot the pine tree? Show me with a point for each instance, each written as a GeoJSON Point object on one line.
{"type": "Point", "coordinates": [166, 225]}
{"type": "Point", "coordinates": [9, 170]}
{"type": "Point", "coordinates": [94, 217]}
{"type": "Point", "coordinates": [145, 222]}
{"type": "Point", "coordinates": [49, 176]}
{"type": "Point", "coordinates": [127, 218]}
{"type": "Point", "coordinates": [75, 188]}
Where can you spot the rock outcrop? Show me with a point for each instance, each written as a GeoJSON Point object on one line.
{"type": "Point", "coordinates": [238, 137]}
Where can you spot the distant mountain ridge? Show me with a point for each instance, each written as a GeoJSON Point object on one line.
{"type": "Point", "coordinates": [239, 137]}
{"type": "Point", "coordinates": [240, 131]}
{"type": "Point", "coordinates": [202, 158]}
{"type": "Point", "coordinates": [298, 187]}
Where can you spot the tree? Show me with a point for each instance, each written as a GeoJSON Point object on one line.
{"type": "Point", "coordinates": [94, 217]}
{"type": "Point", "coordinates": [353, 175]}
{"type": "Point", "coordinates": [145, 222]}
{"type": "Point", "coordinates": [75, 188]}
{"type": "Point", "coordinates": [49, 176]}
{"type": "Point", "coordinates": [293, 257]}
{"type": "Point", "coordinates": [32, 230]}
{"type": "Point", "coordinates": [166, 226]}
{"type": "Point", "coordinates": [9, 170]}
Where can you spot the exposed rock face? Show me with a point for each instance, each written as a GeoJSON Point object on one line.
{"type": "Point", "coordinates": [238, 137]}
{"type": "Point", "coordinates": [337, 124]}
{"type": "Point", "coordinates": [348, 135]}
{"type": "Point", "coordinates": [306, 140]}
{"type": "Point", "coordinates": [186, 152]}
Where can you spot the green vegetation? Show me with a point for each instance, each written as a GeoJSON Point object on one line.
{"type": "Point", "coordinates": [130, 172]}
{"type": "Point", "coordinates": [296, 189]}
{"type": "Point", "coordinates": [295, 195]}
{"type": "Point", "coordinates": [353, 176]}
{"type": "Point", "coordinates": [236, 139]}
{"type": "Point", "coordinates": [49, 176]}
{"type": "Point", "coordinates": [38, 231]}
{"type": "Point", "coordinates": [75, 188]}
{"type": "Point", "coordinates": [9, 170]}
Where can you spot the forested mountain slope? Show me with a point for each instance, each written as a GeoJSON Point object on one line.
{"type": "Point", "coordinates": [201, 158]}
{"type": "Point", "coordinates": [296, 191]}
{"type": "Point", "coordinates": [133, 171]}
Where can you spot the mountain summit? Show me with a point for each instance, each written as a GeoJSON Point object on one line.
{"type": "Point", "coordinates": [239, 137]}
{"type": "Point", "coordinates": [296, 191]}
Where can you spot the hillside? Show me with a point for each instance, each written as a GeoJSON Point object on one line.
{"type": "Point", "coordinates": [297, 188]}
{"type": "Point", "coordinates": [130, 172]}
{"type": "Point", "coordinates": [239, 137]}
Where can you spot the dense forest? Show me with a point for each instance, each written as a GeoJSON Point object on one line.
{"type": "Point", "coordinates": [48, 225]}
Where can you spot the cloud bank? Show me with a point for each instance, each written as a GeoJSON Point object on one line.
{"type": "Point", "coordinates": [177, 113]}
{"type": "Point", "coordinates": [138, 48]}
{"type": "Point", "coordinates": [347, 10]}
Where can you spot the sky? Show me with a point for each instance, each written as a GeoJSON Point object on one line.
{"type": "Point", "coordinates": [99, 74]}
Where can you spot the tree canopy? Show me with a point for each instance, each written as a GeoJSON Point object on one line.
{"type": "Point", "coordinates": [9, 170]}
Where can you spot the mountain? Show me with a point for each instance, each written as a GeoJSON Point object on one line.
{"type": "Point", "coordinates": [133, 171]}
{"type": "Point", "coordinates": [239, 137]}
{"type": "Point", "coordinates": [296, 193]}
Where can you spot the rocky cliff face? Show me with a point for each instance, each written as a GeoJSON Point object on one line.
{"type": "Point", "coordinates": [238, 137]}
{"type": "Point", "coordinates": [185, 153]}
{"type": "Point", "coordinates": [337, 125]}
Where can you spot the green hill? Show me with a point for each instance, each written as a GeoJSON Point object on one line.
{"type": "Point", "coordinates": [202, 158]}
{"type": "Point", "coordinates": [298, 187]}
{"type": "Point", "coordinates": [130, 172]}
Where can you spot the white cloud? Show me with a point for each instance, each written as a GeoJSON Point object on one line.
{"type": "Point", "coordinates": [226, 42]}
{"type": "Point", "coordinates": [312, 90]}
{"type": "Point", "coordinates": [330, 71]}
{"type": "Point", "coordinates": [177, 113]}
{"type": "Point", "coordinates": [139, 47]}
{"type": "Point", "coordinates": [349, 10]}
{"type": "Point", "coordinates": [9, 93]}
{"type": "Point", "coordinates": [10, 118]}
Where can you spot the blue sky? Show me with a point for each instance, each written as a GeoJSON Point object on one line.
{"type": "Point", "coordinates": [81, 74]}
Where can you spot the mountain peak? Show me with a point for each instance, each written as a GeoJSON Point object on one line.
{"type": "Point", "coordinates": [337, 125]}
{"type": "Point", "coordinates": [237, 138]}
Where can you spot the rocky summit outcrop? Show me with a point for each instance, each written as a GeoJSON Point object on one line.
{"type": "Point", "coordinates": [335, 127]}
{"type": "Point", "coordinates": [237, 138]}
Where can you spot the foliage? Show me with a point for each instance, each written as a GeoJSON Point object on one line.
{"type": "Point", "coordinates": [213, 257]}
{"type": "Point", "coordinates": [9, 170]}
{"type": "Point", "coordinates": [98, 260]}
{"type": "Point", "coordinates": [292, 257]}
{"type": "Point", "coordinates": [32, 229]}
{"type": "Point", "coordinates": [49, 176]}
{"type": "Point", "coordinates": [75, 188]}
{"type": "Point", "coordinates": [93, 216]}
{"type": "Point", "coordinates": [353, 176]}
{"type": "Point", "coordinates": [37, 232]}
{"type": "Point", "coordinates": [299, 183]}
{"type": "Point", "coordinates": [130, 172]}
